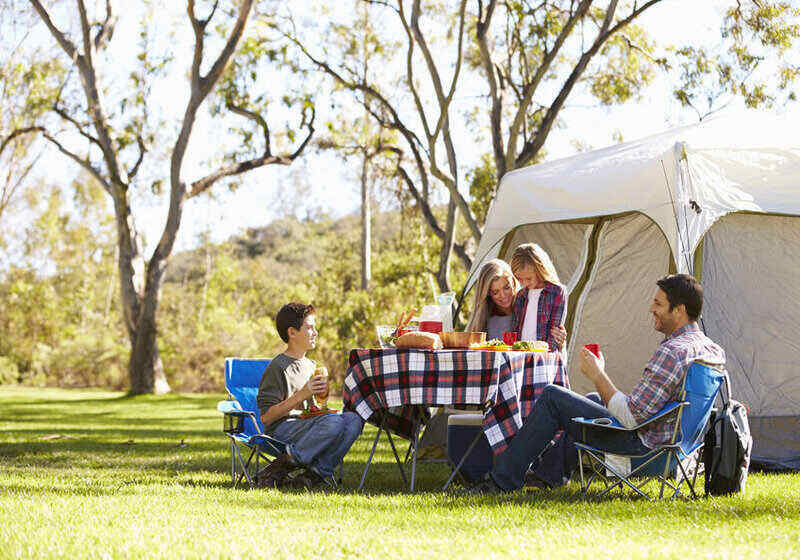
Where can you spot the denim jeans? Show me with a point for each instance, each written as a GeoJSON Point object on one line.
{"type": "Point", "coordinates": [553, 411]}
{"type": "Point", "coordinates": [320, 443]}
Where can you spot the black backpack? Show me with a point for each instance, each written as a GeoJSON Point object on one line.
{"type": "Point", "coordinates": [727, 447]}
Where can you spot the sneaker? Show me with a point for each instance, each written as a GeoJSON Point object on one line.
{"type": "Point", "coordinates": [275, 474]}
{"type": "Point", "coordinates": [308, 480]}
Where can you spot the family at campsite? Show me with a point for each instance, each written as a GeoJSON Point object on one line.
{"type": "Point", "coordinates": [517, 301]}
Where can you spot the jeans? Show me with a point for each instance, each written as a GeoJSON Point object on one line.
{"type": "Point", "coordinates": [554, 410]}
{"type": "Point", "coordinates": [320, 443]}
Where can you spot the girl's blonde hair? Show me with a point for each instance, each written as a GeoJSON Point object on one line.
{"type": "Point", "coordinates": [484, 306]}
{"type": "Point", "coordinates": [530, 254]}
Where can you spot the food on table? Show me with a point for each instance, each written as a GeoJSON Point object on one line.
{"type": "Point", "coordinates": [452, 339]}
{"type": "Point", "coordinates": [531, 346]}
{"type": "Point", "coordinates": [419, 339]}
{"type": "Point", "coordinates": [493, 344]}
{"type": "Point", "coordinates": [403, 323]}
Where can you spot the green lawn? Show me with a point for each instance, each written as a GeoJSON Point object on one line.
{"type": "Point", "coordinates": [96, 474]}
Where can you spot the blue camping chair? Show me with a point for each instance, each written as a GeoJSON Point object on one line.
{"type": "Point", "coordinates": [242, 419]}
{"type": "Point", "coordinates": [700, 387]}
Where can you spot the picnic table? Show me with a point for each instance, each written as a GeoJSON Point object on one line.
{"type": "Point", "coordinates": [394, 388]}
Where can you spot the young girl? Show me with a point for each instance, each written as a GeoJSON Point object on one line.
{"type": "Point", "coordinates": [540, 306]}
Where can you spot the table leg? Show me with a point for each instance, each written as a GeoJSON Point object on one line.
{"type": "Point", "coordinates": [371, 454]}
{"type": "Point", "coordinates": [415, 443]}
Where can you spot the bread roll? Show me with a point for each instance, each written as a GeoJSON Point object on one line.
{"type": "Point", "coordinates": [419, 339]}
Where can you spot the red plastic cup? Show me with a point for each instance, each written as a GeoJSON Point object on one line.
{"type": "Point", "coordinates": [509, 338]}
{"type": "Point", "coordinates": [593, 348]}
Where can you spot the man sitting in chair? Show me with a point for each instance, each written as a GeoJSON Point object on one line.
{"type": "Point", "coordinates": [676, 307]}
{"type": "Point", "coordinates": [316, 444]}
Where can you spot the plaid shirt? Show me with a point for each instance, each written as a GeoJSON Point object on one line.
{"type": "Point", "coordinates": [550, 313]}
{"type": "Point", "coordinates": [662, 381]}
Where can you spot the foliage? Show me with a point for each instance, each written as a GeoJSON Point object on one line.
{"type": "Point", "coordinates": [757, 39]}
{"type": "Point", "coordinates": [60, 324]}
{"type": "Point", "coordinates": [83, 471]}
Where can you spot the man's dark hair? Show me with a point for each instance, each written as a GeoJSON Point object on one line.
{"type": "Point", "coordinates": [292, 315]}
{"type": "Point", "coordinates": [683, 289]}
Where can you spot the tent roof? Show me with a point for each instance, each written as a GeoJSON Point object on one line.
{"type": "Point", "coordinates": [746, 162]}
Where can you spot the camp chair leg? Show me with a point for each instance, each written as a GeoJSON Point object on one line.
{"type": "Point", "coordinates": [620, 479]}
{"type": "Point", "coordinates": [245, 466]}
{"type": "Point", "coordinates": [457, 468]}
{"type": "Point", "coordinates": [685, 478]}
{"type": "Point", "coordinates": [233, 461]}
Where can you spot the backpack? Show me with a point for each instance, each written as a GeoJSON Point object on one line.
{"type": "Point", "coordinates": [727, 447]}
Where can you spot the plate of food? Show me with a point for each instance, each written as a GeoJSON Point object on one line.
{"type": "Point", "coordinates": [495, 344]}
{"type": "Point", "coordinates": [531, 346]}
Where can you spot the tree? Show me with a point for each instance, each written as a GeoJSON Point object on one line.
{"type": "Point", "coordinates": [531, 57]}
{"type": "Point", "coordinates": [112, 135]}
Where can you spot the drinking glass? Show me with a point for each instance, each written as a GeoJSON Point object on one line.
{"type": "Point", "coordinates": [322, 399]}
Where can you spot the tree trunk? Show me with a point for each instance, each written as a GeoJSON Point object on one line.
{"type": "Point", "coordinates": [146, 371]}
{"type": "Point", "coordinates": [443, 275]}
{"type": "Point", "coordinates": [366, 231]}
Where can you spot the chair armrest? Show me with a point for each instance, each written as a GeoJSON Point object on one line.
{"type": "Point", "coordinates": [232, 408]}
{"type": "Point", "coordinates": [610, 422]}
{"type": "Point", "coordinates": [613, 424]}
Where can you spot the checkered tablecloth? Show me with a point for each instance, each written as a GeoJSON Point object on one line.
{"type": "Point", "coordinates": [397, 385]}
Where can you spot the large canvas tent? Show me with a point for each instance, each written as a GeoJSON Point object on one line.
{"type": "Point", "coordinates": [720, 200]}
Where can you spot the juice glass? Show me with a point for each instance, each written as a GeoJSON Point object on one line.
{"type": "Point", "coordinates": [322, 399]}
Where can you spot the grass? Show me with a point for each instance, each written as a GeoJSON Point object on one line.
{"type": "Point", "coordinates": [97, 474]}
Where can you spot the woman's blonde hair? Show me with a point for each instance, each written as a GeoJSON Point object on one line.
{"type": "Point", "coordinates": [484, 306]}
{"type": "Point", "coordinates": [530, 254]}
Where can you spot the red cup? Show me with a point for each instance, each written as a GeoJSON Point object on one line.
{"type": "Point", "coordinates": [509, 338]}
{"type": "Point", "coordinates": [593, 348]}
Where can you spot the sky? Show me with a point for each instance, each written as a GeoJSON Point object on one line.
{"type": "Point", "coordinates": [334, 185]}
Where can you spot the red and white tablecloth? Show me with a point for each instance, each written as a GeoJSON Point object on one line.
{"type": "Point", "coordinates": [399, 385]}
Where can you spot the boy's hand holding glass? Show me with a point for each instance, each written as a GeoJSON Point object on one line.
{"type": "Point", "coordinates": [319, 386]}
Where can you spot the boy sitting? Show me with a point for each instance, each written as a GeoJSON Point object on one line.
{"type": "Point", "coordinates": [317, 444]}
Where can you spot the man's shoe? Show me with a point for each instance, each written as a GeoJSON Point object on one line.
{"type": "Point", "coordinates": [486, 487]}
{"type": "Point", "coordinates": [533, 482]}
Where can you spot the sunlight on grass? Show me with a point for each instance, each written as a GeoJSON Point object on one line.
{"type": "Point", "coordinates": [91, 473]}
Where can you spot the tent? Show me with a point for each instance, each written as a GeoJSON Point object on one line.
{"type": "Point", "coordinates": [719, 200]}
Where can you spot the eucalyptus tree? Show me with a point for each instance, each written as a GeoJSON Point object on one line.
{"type": "Point", "coordinates": [104, 120]}
{"type": "Point", "coordinates": [526, 59]}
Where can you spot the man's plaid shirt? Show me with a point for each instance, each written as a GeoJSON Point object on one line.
{"type": "Point", "coordinates": [550, 312]}
{"type": "Point", "coordinates": [663, 379]}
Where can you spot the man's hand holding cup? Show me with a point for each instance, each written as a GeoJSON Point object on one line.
{"type": "Point", "coordinates": [592, 364]}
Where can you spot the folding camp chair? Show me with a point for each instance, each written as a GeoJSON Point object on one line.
{"type": "Point", "coordinates": [242, 420]}
{"type": "Point", "coordinates": [700, 387]}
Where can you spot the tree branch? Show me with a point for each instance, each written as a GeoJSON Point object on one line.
{"type": "Point", "coordinates": [142, 150]}
{"type": "Point", "coordinates": [259, 120]}
{"type": "Point", "coordinates": [533, 146]}
{"type": "Point", "coordinates": [65, 43]}
{"type": "Point", "coordinates": [106, 30]}
{"type": "Point", "coordinates": [530, 88]}
{"type": "Point", "coordinates": [202, 185]}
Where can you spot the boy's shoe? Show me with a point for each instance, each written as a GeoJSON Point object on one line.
{"type": "Point", "coordinates": [274, 475]}
{"type": "Point", "coordinates": [308, 480]}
